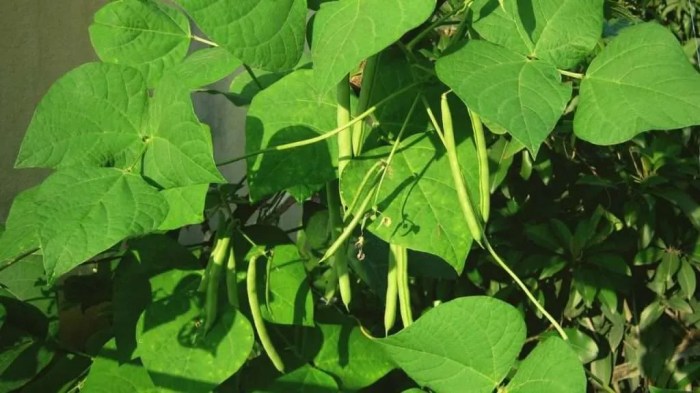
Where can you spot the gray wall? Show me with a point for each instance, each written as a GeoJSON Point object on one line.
{"type": "Point", "coordinates": [41, 40]}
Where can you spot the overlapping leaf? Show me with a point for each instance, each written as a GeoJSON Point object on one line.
{"type": "Point", "coordinates": [641, 81]}
{"type": "Point", "coordinates": [286, 290]}
{"type": "Point", "coordinates": [525, 97]}
{"type": "Point", "coordinates": [417, 201]}
{"type": "Point", "coordinates": [107, 374]}
{"type": "Point", "coordinates": [84, 211]}
{"type": "Point", "coordinates": [205, 67]}
{"type": "Point", "coordinates": [306, 379]}
{"type": "Point", "coordinates": [293, 109]}
{"type": "Point", "coordinates": [342, 28]}
{"type": "Point", "coordinates": [146, 35]}
{"type": "Point", "coordinates": [21, 234]}
{"type": "Point", "coordinates": [467, 345]}
{"type": "Point", "coordinates": [90, 116]}
{"type": "Point", "coordinates": [266, 34]}
{"type": "Point", "coordinates": [194, 361]}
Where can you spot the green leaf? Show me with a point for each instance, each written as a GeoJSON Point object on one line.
{"type": "Point", "coordinates": [552, 367]}
{"type": "Point", "coordinates": [148, 256]}
{"type": "Point", "coordinates": [641, 81]}
{"type": "Point", "coordinates": [499, 22]}
{"type": "Point", "coordinates": [205, 67]}
{"type": "Point", "coordinates": [341, 29]}
{"type": "Point", "coordinates": [178, 147]}
{"type": "Point", "coordinates": [267, 34]}
{"type": "Point", "coordinates": [291, 110]}
{"type": "Point", "coordinates": [466, 345]}
{"type": "Point", "coordinates": [26, 281]}
{"type": "Point", "coordinates": [583, 345]}
{"type": "Point", "coordinates": [306, 379]}
{"type": "Point", "coordinates": [348, 354]}
{"type": "Point", "coordinates": [686, 279]}
{"type": "Point", "coordinates": [84, 211]}
{"type": "Point", "coordinates": [21, 234]}
{"type": "Point", "coordinates": [186, 206]}
{"type": "Point", "coordinates": [146, 35]}
{"type": "Point", "coordinates": [290, 299]}
{"type": "Point", "coordinates": [194, 361]}
{"type": "Point", "coordinates": [3, 316]}
{"type": "Point", "coordinates": [523, 96]}
{"type": "Point", "coordinates": [90, 116]}
{"type": "Point", "coordinates": [560, 32]}
{"type": "Point", "coordinates": [417, 202]}
{"type": "Point", "coordinates": [108, 374]}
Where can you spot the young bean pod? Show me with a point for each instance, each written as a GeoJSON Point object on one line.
{"type": "Point", "coordinates": [231, 280]}
{"type": "Point", "coordinates": [216, 269]}
{"type": "Point", "coordinates": [251, 287]}
{"type": "Point", "coordinates": [483, 160]}
{"type": "Point", "coordinates": [339, 259]}
{"type": "Point", "coordinates": [464, 201]}
{"type": "Point", "coordinates": [392, 285]}
{"type": "Point", "coordinates": [404, 294]}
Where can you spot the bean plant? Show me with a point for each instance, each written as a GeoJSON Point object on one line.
{"type": "Point", "coordinates": [484, 207]}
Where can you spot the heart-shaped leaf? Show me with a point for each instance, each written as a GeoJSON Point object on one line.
{"type": "Point", "coordinates": [146, 35]}
{"type": "Point", "coordinates": [84, 211]}
{"type": "Point", "coordinates": [466, 345]}
{"type": "Point", "coordinates": [292, 109]}
{"type": "Point", "coordinates": [266, 34]}
{"type": "Point", "coordinates": [523, 96]}
{"type": "Point", "coordinates": [641, 81]}
{"type": "Point", "coordinates": [417, 201]}
{"type": "Point", "coordinates": [195, 361]}
{"type": "Point", "coordinates": [340, 40]}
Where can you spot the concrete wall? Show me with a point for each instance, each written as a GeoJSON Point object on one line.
{"type": "Point", "coordinates": [41, 40]}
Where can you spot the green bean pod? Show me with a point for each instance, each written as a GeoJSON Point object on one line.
{"type": "Point", "coordinates": [404, 293]}
{"type": "Point", "coordinates": [392, 292]}
{"type": "Point", "coordinates": [340, 261]}
{"type": "Point", "coordinates": [216, 263]}
{"type": "Point", "coordinates": [483, 159]}
{"type": "Point", "coordinates": [231, 279]}
{"type": "Point", "coordinates": [470, 216]}
{"type": "Point", "coordinates": [251, 288]}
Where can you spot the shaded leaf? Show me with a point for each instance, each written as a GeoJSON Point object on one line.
{"type": "Point", "coordinates": [107, 374]}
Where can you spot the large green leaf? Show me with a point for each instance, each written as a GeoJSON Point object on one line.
{"type": "Point", "coordinates": [186, 206]}
{"type": "Point", "coordinates": [641, 81]}
{"type": "Point", "coordinates": [99, 115]}
{"type": "Point", "coordinates": [466, 345]}
{"type": "Point", "coordinates": [194, 361]}
{"type": "Point", "coordinates": [286, 290]}
{"type": "Point", "coordinates": [500, 22]}
{"type": "Point", "coordinates": [291, 110]}
{"type": "Point", "coordinates": [178, 147]}
{"type": "Point", "coordinates": [88, 117]}
{"type": "Point", "coordinates": [306, 379]}
{"type": "Point", "coordinates": [205, 67]}
{"type": "Point", "coordinates": [26, 281]}
{"type": "Point", "coordinates": [109, 375]}
{"type": "Point", "coordinates": [565, 31]}
{"type": "Point", "coordinates": [84, 211]}
{"type": "Point", "coordinates": [349, 355]}
{"type": "Point", "coordinates": [21, 233]}
{"type": "Point", "coordinates": [342, 28]}
{"type": "Point", "coordinates": [266, 34]}
{"type": "Point", "coordinates": [562, 32]}
{"type": "Point", "coordinates": [417, 202]}
{"type": "Point", "coordinates": [552, 367]}
{"type": "Point", "coordinates": [523, 96]}
{"type": "Point", "coordinates": [146, 35]}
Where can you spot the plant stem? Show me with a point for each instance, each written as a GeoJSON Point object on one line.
{"type": "Point", "coordinates": [482, 155]}
{"type": "Point", "coordinates": [204, 41]}
{"type": "Point", "coordinates": [343, 118]}
{"type": "Point", "coordinates": [430, 28]}
{"type": "Point", "coordinates": [253, 77]}
{"type": "Point", "coordinates": [525, 289]}
{"type": "Point", "coordinates": [575, 75]}
{"type": "Point", "coordinates": [363, 185]}
{"type": "Point", "coordinates": [369, 74]}
{"type": "Point", "coordinates": [324, 136]}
